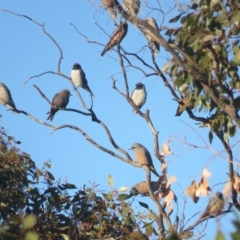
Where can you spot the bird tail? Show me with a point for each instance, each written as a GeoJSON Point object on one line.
{"type": "Point", "coordinates": [112, 13]}
{"type": "Point", "coordinates": [51, 114]}
{"type": "Point", "coordinates": [154, 171]}
{"type": "Point", "coordinates": [104, 50]}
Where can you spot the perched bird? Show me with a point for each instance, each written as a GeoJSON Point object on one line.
{"type": "Point", "coordinates": [139, 96]}
{"type": "Point", "coordinates": [141, 188]}
{"type": "Point", "coordinates": [110, 6]}
{"type": "Point", "coordinates": [143, 156]}
{"type": "Point", "coordinates": [79, 78]}
{"type": "Point", "coordinates": [215, 205]}
{"type": "Point", "coordinates": [154, 45]}
{"type": "Point", "coordinates": [60, 100]}
{"type": "Point", "coordinates": [131, 6]}
{"type": "Point", "coordinates": [183, 104]}
{"type": "Point", "coordinates": [5, 96]}
{"type": "Point", "coordinates": [116, 37]}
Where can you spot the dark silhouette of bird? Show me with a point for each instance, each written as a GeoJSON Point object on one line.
{"type": "Point", "coordinates": [79, 78]}
{"type": "Point", "coordinates": [139, 96]}
{"type": "Point", "coordinates": [132, 7]}
{"type": "Point", "coordinates": [143, 156]}
{"type": "Point", "coordinates": [154, 45]}
{"type": "Point", "coordinates": [110, 6]}
{"type": "Point", "coordinates": [60, 100]}
{"type": "Point", "coordinates": [5, 96]}
{"type": "Point", "coordinates": [116, 37]}
{"type": "Point", "coordinates": [141, 188]}
{"type": "Point", "coordinates": [183, 104]}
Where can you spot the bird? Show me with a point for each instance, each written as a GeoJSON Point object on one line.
{"type": "Point", "coordinates": [117, 37]}
{"type": "Point", "coordinates": [183, 104]}
{"type": "Point", "coordinates": [110, 6]}
{"type": "Point", "coordinates": [215, 205]}
{"type": "Point", "coordinates": [131, 6]}
{"type": "Point", "coordinates": [60, 100]}
{"type": "Point", "coordinates": [154, 45]}
{"type": "Point", "coordinates": [139, 96]}
{"type": "Point", "coordinates": [143, 156]}
{"type": "Point", "coordinates": [6, 97]}
{"type": "Point", "coordinates": [79, 78]}
{"type": "Point", "coordinates": [141, 188]}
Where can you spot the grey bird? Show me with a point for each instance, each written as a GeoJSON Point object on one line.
{"type": "Point", "coordinates": [110, 6]}
{"type": "Point", "coordinates": [60, 100]}
{"type": "Point", "coordinates": [116, 37]}
{"type": "Point", "coordinates": [131, 6]}
{"type": "Point", "coordinates": [5, 96]}
{"type": "Point", "coordinates": [141, 188]}
{"type": "Point", "coordinates": [143, 156]}
{"type": "Point", "coordinates": [154, 45]}
{"type": "Point", "coordinates": [79, 78]}
{"type": "Point", "coordinates": [215, 205]}
{"type": "Point", "coordinates": [139, 96]}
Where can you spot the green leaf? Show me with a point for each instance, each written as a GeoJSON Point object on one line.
{"type": "Point", "coordinates": [122, 197]}
{"type": "Point", "coordinates": [110, 181]}
{"type": "Point", "coordinates": [210, 136]}
{"type": "Point", "coordinates": [219, 236]}
{"type": "Point", "coordinates": [143, 204]}
{"type": "Point", "coordinates": [29, 221]}
{"type": "Point", "coordinates": [31, 236]}
{"type": "Point", "coordinates": [65, 237]}
{"type": "Point", "coordinates": [69, 186]}
{"type": "Point", "coordinates": [175, 19]}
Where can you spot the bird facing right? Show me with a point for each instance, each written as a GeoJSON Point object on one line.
{"type": "Point", "coordinates": [79, 78]}
{"type": "Point", "coordinates": [215, 205]}
{"type": "Point", "coordinates": [5, 96]}
{"type": "Point", "coordinates": [60, 100]}
{"type": "Point", "coordinates": [143, 156]}
{"type": "Point", "coordinates": [116, 37]}
{"type": "Point", "coordinates": [139, 96]}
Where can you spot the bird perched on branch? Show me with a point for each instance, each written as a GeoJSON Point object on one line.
{"type": "Point", "coordinates": [79, 78]}
{"type": "Point", "coordinates": [139, 96]}
{"type": "Point", "coordinates": [143, 156]}
{"type": "Point", "coordinates": [215, 205]}
{"type": "Point", "coordinates": [116, 37]}
{"type": "Point", "coordinates": [110, 6]}
{"type": "Point", "coordinates": [131, 6]}
{"type": "Point", "coordinates": [5, 96]}
{"type": "Point", "coordinates": [154, 45]}
{"type": "Point", "coordinates": [141, 188]}
{"type": "Point", "coordinates": [183, 104]}
{"type": "Point", "coordinates": [60, 100]}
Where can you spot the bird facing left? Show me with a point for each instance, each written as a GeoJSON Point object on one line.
{"type": "Point", "coordinates": [60, 100]}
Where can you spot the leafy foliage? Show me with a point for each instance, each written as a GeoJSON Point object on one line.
{"type": "Point", "coordinates": [33, 204]}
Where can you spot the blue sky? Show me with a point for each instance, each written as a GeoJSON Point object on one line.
{"type": "Point", "coordinates": [26, 51]}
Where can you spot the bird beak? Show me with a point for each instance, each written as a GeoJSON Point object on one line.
{"type": "Point", "coordinates": [130, 149]}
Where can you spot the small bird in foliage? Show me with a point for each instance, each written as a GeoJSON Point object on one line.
{"type": "Point", "coordinates": [110, 6]}
{"type": "Point", "coordinates": [154, 45]}
{"type": "Point", "coordinates": [139, 96]}
{"type": "Point", "coordinates": [79, 78]}
{"type": "Point", "coordinates": [131, 6]}
{"type": "Point", "coordinates": [141, 188]}
{"type": "Point", "coordinates": [215, 205]}
{"type": "Point", "coordinates": [143, 156]}
{"type": "Point", "coordinates": [5, 96]}
{"type": "Point", "coordinates": [60, 100]}
{"type": "Point", "coordinates": [116, 37]}
{"type": "Point", "coordinates": [183, 104]}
